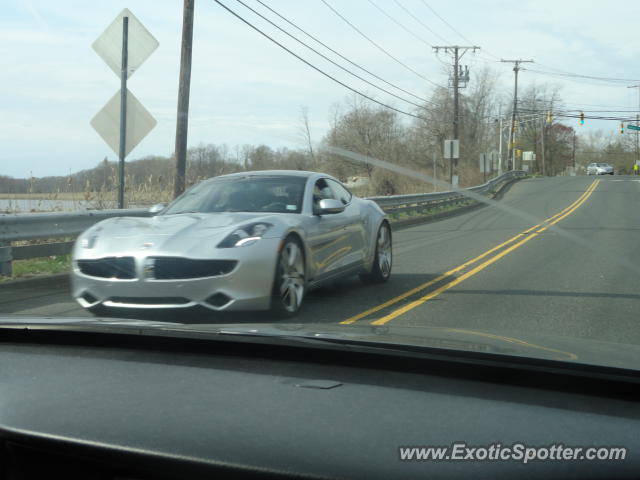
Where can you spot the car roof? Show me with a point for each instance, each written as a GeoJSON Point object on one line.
{"type": "Point", "coordinates": [272, 173]}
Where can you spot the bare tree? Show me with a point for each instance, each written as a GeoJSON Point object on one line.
{"type": "Point", "coordinates": [305, 133]}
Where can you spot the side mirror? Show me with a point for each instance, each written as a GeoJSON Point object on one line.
{"type": "Point", "coordinates": [157, 208]}
{"type": "Point", "coordinates": [330, 205]}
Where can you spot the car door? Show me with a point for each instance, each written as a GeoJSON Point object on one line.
{"type": "Point", "coordinates": [327, 236]}
{"type": "Point", "coordinates": [355, 223]}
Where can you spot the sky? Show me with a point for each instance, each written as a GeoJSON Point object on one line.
{"type": "Point", "coordinates": [246, 90]}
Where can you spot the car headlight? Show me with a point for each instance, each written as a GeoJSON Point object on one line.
{"type": "Point", "coordinates": [245, 236]}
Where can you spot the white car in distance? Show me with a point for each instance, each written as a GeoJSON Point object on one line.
{"type": "Point", "coordinates": [599, 169]}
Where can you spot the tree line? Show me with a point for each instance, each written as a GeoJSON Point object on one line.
{"type": "Point", "coordinates": [364, 127]}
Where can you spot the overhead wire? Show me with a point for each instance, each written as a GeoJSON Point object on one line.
{"type": "Point", "coordinates": [332, 50]}
{"type": "Point", "coordinates": [404, 27]}
{"type": "Point", "coordinates": [365, 36]}
{"type": "Point", "coordinates": [329, 59]}
{"type": "Point", "coordinates": [424, 25]}
{"type": "Point", "coordinates": [586, 77]}
{"type": "Point", "coordinates": [291, 52]}
{"type": "Point", "coordinates": [446, 23]}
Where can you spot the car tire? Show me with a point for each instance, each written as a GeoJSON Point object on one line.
{"type": "Point", "coordinates": [383, 258]}
{"type": "Point", "coordinates": [289, 283]}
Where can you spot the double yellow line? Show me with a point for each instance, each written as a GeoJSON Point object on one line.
{"type": "Point", "coordinates": [514, 242]}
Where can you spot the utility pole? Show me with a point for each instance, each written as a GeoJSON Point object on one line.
{"type": "Point", "coordinates": [516, 69]}
{"type": "Point", "coordinates": [544, 154]}
{"type": "Point", "coordinates": [637, 123]}
{"type": "Point", "coordinates": [573, 152]}
{"type": "Point", "coordinates": [182, 122]}
{"type": "Point", "coordinates": [458, 52]}
{"type": "Point", "coordinates": [500, 145]}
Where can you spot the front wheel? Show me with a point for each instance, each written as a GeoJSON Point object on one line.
{"type": "Point", "coordinates": [289, 284]}
{"type": "Point", "coordinates": [383, 259]}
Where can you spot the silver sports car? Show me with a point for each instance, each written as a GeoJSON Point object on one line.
{"type": "Point", "coordinates": [246, 241]}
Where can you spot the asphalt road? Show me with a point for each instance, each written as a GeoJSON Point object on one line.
{"type": "Point", "coordinates": [581, 281]}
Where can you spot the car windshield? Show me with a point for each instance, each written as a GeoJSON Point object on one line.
{"type": "Point", "coordinates": [416, 172]}
{"type": "Point", "coordinates": [281, 194]}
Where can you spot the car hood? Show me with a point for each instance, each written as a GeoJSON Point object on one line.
{"type": "Point", "coordinates": [418, 339]}
{"type": "Point", "coordinates": [168, 233]}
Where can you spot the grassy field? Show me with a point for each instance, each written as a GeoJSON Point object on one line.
{"type": "Point", "coordinates": [39, 266]}
{"type": "Point", "coordinates": [47, 196]}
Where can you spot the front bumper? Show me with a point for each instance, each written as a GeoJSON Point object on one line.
{"type": "Point", "coordinates": [247, 287]}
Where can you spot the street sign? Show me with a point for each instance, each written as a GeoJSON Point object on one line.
{"type": "Point", "coordinates": [633, 127]}
{"type": "Point", "coordinates": [528, 156]}
{"type": "Point", "coordinates": [124, 46]}
{"type": "Point", "coordinates": [493, 161]}
{"type": "Point", "coordinates": [485, 163]}
{"type": "Point", "coordinates": [141, 44]}
{"type": "Point", "coordinates": [451, 149]}
{"type": "Point", "coordinates": [139, 123]}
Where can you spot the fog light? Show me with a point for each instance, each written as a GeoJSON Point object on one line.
{"type": "Point", "coordinates": [87, 297]}
{"type": "Point", "coordinates": [218, 300]}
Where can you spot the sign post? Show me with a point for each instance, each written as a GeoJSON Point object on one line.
{"type": "Point", "coordinates": [483, 165]}
{"type": "Point", "coordinates": [451, 152]}
{"type": "Point", "coordinates": [123, 122]}
{"type": "Point", "coordinates": [123, 110]}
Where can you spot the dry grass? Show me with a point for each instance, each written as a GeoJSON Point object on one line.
{"type": "Point", "coordinates": [137, 194]}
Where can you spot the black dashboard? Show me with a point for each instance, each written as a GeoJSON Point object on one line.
{"type": "Point", "coordinates": [123, 406]}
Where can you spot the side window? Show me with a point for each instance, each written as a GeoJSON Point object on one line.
{"type": "Point", "coordinates": [321, 191]}
{"type": "Point", "coordinates": [340, 192]}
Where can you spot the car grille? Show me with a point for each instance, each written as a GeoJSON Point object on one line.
{"type": "Point", "coordinates": [170, 268]}
{"type": "Point", "coordinates": [150, 300]}
{"type": "Point", "coordinates": [109, 267]}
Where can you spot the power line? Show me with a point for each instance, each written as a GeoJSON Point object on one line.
{"type": "Point", "coordinates": [328, 59]}
{"type": "Point", "coordinates": [570, 110]}
{"type": "Point", "coordinates": [586, 77]}
{"type": "Point", "coordinates": [378, 46]}
{"type": "Point", "coordinates": [597, 117]}
{"type": "Point", "coordinates": [426, 27]}
{"type": "Point", "coordinates": [313, 66]}
{"type": "Point", "coordinates": [594, 105]}
{"type": "Point", "coordinates": [340, 55]}
{"type": "Point", "coordinates": [410, 32]}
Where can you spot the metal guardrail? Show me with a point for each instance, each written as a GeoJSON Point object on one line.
{"type": "Point", "coordinates": [16, 227]}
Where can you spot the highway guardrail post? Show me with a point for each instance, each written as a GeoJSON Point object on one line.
{"type": "Point", "coordinates": [5, 259]}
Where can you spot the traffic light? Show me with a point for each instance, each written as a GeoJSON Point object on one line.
{"type": "Point", "coordinates": [581, 118]}
{"type": "Point", "coordinates": [549, 117]}
{"type": "Point", "coordinates": [621, 127]}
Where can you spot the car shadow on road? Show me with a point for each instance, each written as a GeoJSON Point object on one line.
{"type": "Point", "coordinates": [332, 303]}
